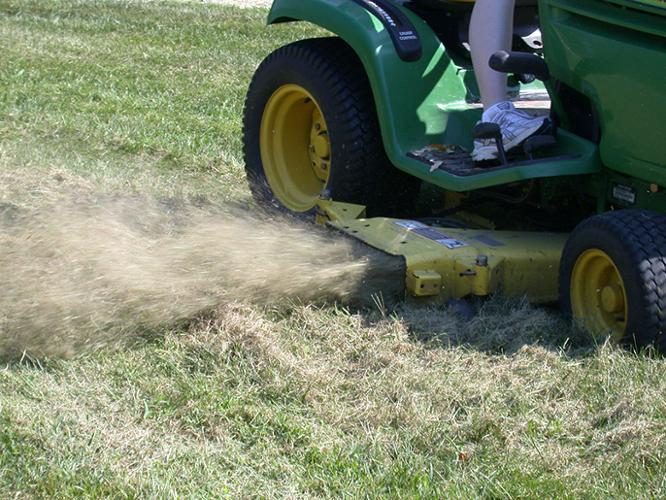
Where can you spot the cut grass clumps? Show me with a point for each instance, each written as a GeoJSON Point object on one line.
{"type": "Point", "coordinates": [323, 402]}
{"type": "Point", "coordinates": [129, 112]}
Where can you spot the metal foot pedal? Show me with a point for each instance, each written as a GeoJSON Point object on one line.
{"type": "Point", "coordinates": [487, 130]}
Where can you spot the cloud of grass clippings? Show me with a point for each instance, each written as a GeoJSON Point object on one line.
{"type": "Point", "coordinates": [82, 273]}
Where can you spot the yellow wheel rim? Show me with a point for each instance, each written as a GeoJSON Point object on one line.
{"type": "Point", "coordinates": [295, 147]}
{"type": "Point", "coordinates": [598, 296]}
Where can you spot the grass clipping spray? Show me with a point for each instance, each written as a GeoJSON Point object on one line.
{"type": "Point", "coordinates": [81, 274]}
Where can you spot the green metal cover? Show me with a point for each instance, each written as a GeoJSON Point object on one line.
{"type": "Point", "coordinates": [614, 52]}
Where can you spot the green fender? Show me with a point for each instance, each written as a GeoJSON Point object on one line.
{"type": "Point", "coordinates": [406, 93]}
{"type": "Point", "coordinates": [418, 103]}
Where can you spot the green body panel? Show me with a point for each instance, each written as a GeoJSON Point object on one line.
{"type": "Point", "coordinates": [423, 102]}
{"type": "Point", "coordinates": [614, 52]}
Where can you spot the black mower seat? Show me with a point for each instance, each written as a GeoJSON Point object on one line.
{"type": "Point", "coordinates": [444, 4]}
{"type": "Point", "coordinates": [451, 18]}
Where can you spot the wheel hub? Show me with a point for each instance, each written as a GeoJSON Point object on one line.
{"type": "Point", "coordinates": [295, 147]}
{"type": "Point", "coordinates": [598, 295]}
{"type": "Point", "coordinates": [612, 299]}
{"type": "Point", "coordinates": [320, 146]}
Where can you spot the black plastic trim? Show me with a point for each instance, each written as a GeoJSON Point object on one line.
{"type": "Point", "coordinates": [522, 63]}
{"type": "Point", "coordinates": [401, 30]}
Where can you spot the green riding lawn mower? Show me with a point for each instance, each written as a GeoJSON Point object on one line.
{"type": "Point", "coordinates": [369, 131]}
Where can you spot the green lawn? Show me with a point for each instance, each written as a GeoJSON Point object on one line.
{"type": "Point", "coordinates": [145, 349]}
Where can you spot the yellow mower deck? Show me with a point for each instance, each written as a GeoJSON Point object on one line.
{"type": "Point", "coordinates": [451, 263]}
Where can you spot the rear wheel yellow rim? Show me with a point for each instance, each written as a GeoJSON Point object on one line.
{"type": "Point", "coordinates": [295, 147]}
{"type": "Point", "coordinates": [598, 295]}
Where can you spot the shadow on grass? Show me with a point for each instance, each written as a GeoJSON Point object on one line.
{"type": "Point", "coordinates": [496, 326]}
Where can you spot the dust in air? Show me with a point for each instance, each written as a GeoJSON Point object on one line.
{"type": "Point", "coordinates": [83, 273]}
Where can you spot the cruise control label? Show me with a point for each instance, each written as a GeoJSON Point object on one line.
{"type": "Point", "coordinates": [431, 234]}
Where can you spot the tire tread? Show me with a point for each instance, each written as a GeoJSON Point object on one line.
{"type": "Point", "coordinates": [639, 235]}
{"type": "Point", "coordinates": [368, 175]}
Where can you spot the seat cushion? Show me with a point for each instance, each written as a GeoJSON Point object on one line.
{"type": "Point", "coordinates": [450, 3]}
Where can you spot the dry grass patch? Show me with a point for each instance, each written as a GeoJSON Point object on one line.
{"type": "Point", "coordinates": [191, 360]}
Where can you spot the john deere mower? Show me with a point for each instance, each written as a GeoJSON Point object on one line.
{"type": "Point", "coordinates": [356, 130]}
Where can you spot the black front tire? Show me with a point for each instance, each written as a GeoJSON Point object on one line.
{"type": "Point", "coordinates": [360, 171]}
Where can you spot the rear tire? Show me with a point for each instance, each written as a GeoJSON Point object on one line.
{"type": "Point", "coordinates": [613, 277]}
{"type": "Point", "coordinates": [289, 161]}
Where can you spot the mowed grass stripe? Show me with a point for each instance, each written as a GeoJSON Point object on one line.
{"type": "Point", "coordinates": [294, 400]}
{"type": "Point", "coordinates": [170, 84]}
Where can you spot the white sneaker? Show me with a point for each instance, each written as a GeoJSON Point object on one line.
{"type": "Point", "coordinates": [516, 127]}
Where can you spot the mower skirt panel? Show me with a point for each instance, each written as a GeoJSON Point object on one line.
{"type": "Point", "coordinates": [452, 263]}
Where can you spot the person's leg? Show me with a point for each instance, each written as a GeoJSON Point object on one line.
{"type": "Point", "coordinates": [491, 30]}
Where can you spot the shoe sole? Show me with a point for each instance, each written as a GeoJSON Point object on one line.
{"type": "Point", "coordinates": [487, 153]}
